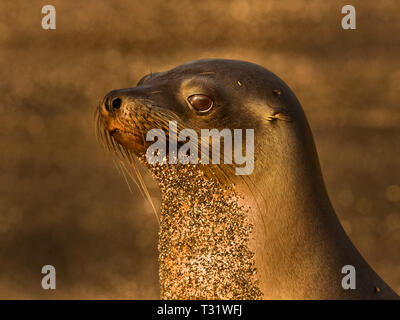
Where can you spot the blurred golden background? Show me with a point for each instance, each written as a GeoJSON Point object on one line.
{"type": "Point", "coordinates": [62, 202]}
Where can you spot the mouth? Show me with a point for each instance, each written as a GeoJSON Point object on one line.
{"type": "Point", "coordinates": [115, 132]}
{"type": "Point", "coordinates": [129, 140]}
{"type": "Point", "coordinates": [118, 133]}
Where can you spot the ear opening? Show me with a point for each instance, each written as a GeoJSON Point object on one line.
{"type": "Point", "coordinates": [279, 116]}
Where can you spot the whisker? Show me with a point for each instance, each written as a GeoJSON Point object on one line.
{"type": "Point", "coordinates": [125, 163]}
{"type": "Point", "coordinates": [145, 189]}
{"type": "Point", "coordinates": [121, 170]}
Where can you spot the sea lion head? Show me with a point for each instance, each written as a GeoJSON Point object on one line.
{"type": "Point", "coordinates": [210, 93]}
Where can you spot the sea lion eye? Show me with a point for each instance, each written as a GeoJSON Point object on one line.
{"type": "Point", "coordinates": [200, 102]}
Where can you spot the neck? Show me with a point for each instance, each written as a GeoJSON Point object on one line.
{"type": "Point", "coordinates": [296, 238]}
{"type": "Point", "coordinates": [274, 235]}
{"type": "Point", "coordinates": [300, 247]}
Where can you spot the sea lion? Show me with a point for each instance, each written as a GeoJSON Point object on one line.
{"type": "Point", "coordinates": [272, 234]}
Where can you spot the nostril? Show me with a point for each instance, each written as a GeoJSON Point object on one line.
{"type": "Point", "coordinates": [116, 104]}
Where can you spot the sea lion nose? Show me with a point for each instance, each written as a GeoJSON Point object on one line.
{"type": "Point", "coordinates": [115, 101]}
{"type": "Point", "coordinates": [113, 104]}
